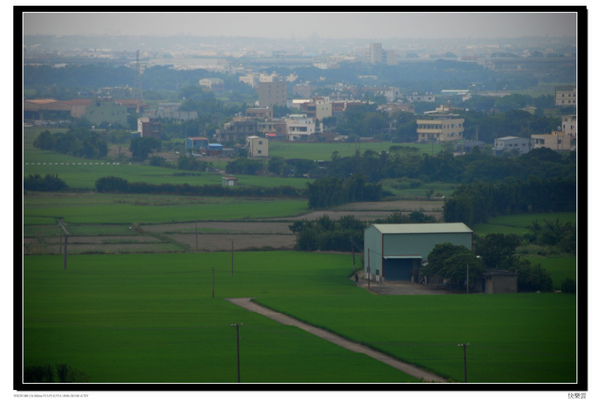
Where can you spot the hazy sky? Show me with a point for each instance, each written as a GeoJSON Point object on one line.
{"type": "Point", "coordinates": [301, 25]}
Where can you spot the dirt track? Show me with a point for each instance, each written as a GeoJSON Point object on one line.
{"type": "Point", "coordinates": [354, 347]}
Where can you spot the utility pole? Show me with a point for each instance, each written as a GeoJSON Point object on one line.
{"type": "Point", "coordinates": [369, 270]}
{"type": "Point", "coordinates": [467, 278]}
{"type": "Point", "coordinates": [464, 346]}
{"type": "Point", "coordinates": [237, 336]}
{"type": "Point", "coordinates": [62, 226]}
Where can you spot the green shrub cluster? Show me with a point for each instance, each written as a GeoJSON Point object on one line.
{"type": "Point", "coordinates": [326, 234]}
{"type": "Point", "coordinates": [49, 182]}
{"type": "Point", "coordinates": [332, 191]}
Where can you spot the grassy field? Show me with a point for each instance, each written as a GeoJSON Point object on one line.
{"type": "Point", "coordinates": [559, 267]}
{"type": "Point", "coordinates": [517, 224]}
{"type": "Point", "coordinates": [127, 208]}
{"type": "Point", "coordinates": [324, 150]}
{"type": "Point", "coordinates": [143, 318]}
{"type": "Point", "coordinates": [152, 318]}
{"type": "Point", "coordinates": [82, 174]}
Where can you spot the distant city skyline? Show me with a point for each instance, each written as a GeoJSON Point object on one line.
{"type": "Point", "coordinates": [302, 25]}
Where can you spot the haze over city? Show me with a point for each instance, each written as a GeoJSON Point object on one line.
{"type": "Point", "coordinates": [300, 25]}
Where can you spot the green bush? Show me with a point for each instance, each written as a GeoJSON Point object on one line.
{"type": "Point", "coordinates": [568, 286]}
{"type": "Point", "coordinates": [47, 183]}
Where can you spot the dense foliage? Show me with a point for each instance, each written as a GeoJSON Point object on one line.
{"type": "Point", "coordinates": [450, 261]}
{"type": "Point", "coordinates": [141, 147]}
{"type": "Point", "coordinates": [408, 162]}
{"type": "Point", "coordinates": [326, 234]}
{"type": "Point", "coordinates": [331, 191]}
{"type": "Point", "coordinates": [47, 183]}
{"type": "Point", "coordinates": [555, 234]}
{"type": "Point", "coordinates": [476, 202]}
{"type": "Point", "coordinates": [78, 141]}
{"type": "Point", "coordinates": [113, 184]}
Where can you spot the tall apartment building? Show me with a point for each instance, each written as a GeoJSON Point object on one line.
{"type": "Point", "coordinates": [377, 53]}
{"type": "Point", "coordinates": [566, 95]}
{"type": "Point", "coordinates": [272, 93]}
{"type": "Point", "coordinates": [569, 125]}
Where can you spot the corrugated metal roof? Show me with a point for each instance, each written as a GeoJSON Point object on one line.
{"type": "Point", "coordinates": [403, 228]}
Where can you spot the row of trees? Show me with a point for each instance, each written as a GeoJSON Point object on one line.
{"type": "Point", "coordinates": [113, 184]}
{"type": "Point", "coordinates": [477, 202]}
{"type": "Point", "coordinates": [409, 162]}
{"type": "Point", "coordinates": [332, 191]}
{"type": "Point", "coordinates": [49, 182]}
{"type": "Point", "coordinates": [326, 234]}
{"type": "Point", "coordinates": [77, 141]}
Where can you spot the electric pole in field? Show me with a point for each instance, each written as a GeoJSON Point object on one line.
{"type": "Point", "coordinates": [62, 226]}
{"type": "Point", "coordinates": [464, 346]}
{"type": "Point", "coordinates": [237, 336]}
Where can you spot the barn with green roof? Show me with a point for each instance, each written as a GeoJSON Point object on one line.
{"type": "Point", "coordinates": [396, 252]}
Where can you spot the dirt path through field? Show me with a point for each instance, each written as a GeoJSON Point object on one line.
{"type": "Point", "coordinates": [354, 347]}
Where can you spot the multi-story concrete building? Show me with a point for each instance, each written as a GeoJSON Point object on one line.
{"type": "Point", "coordinates": [557, 141]}
{"type": "Point", "coordinates": [260, 113]}
{"type": "Point", "coordinates": [299, 127]}
{"type": "Point", "coordinates": [569, 125]}
{"type": "Point", "coordinates": [275, 130]}
{"type": "Point", "coordinates": [148, 127]}
{"type": "Point", "coordinates": [318, 108]}
{"type": "Point", "coordinates": [237, 130]}
{"type": "Point", "coordinates": [512, 144]}
{"type": "Point", "coordinates": [440, 128]}
{"type": "Point", "coordinates": [566, 95]}
{"type": "Point", "coordinates": [376, 53]}
{"type": "Point", "coordinates": [272, 94]}
{"type": "Point", "coordinates": [258, 147]}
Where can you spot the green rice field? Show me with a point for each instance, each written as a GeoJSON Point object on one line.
{"type": "Point", "coordinates": [129, 208]}
{"type": "Point", "coordinates": [324, 150]}
{"type": "Point", "coordinates": [153, 318]}
{"type": "Point", "coordinates": [517, 224]}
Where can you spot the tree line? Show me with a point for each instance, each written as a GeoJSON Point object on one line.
{"type": "Point", "coordinates": [113, 184]}
{"type": "Point", "coordinates": [326, 234]}
{"type": "Point", "coordinates": [477, 202]}
{"type": "Point", "coordinates": [49, 182]}
{"type": "Point", "coordinates": [404, 161]}
{"type": "Point", "coordinates": [77, 141]}
{"type": "Point", "coordinates": [332, 191]}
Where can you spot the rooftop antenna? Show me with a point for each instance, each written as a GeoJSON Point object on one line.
{"type": "Point", "coordinates": [137, 84]}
